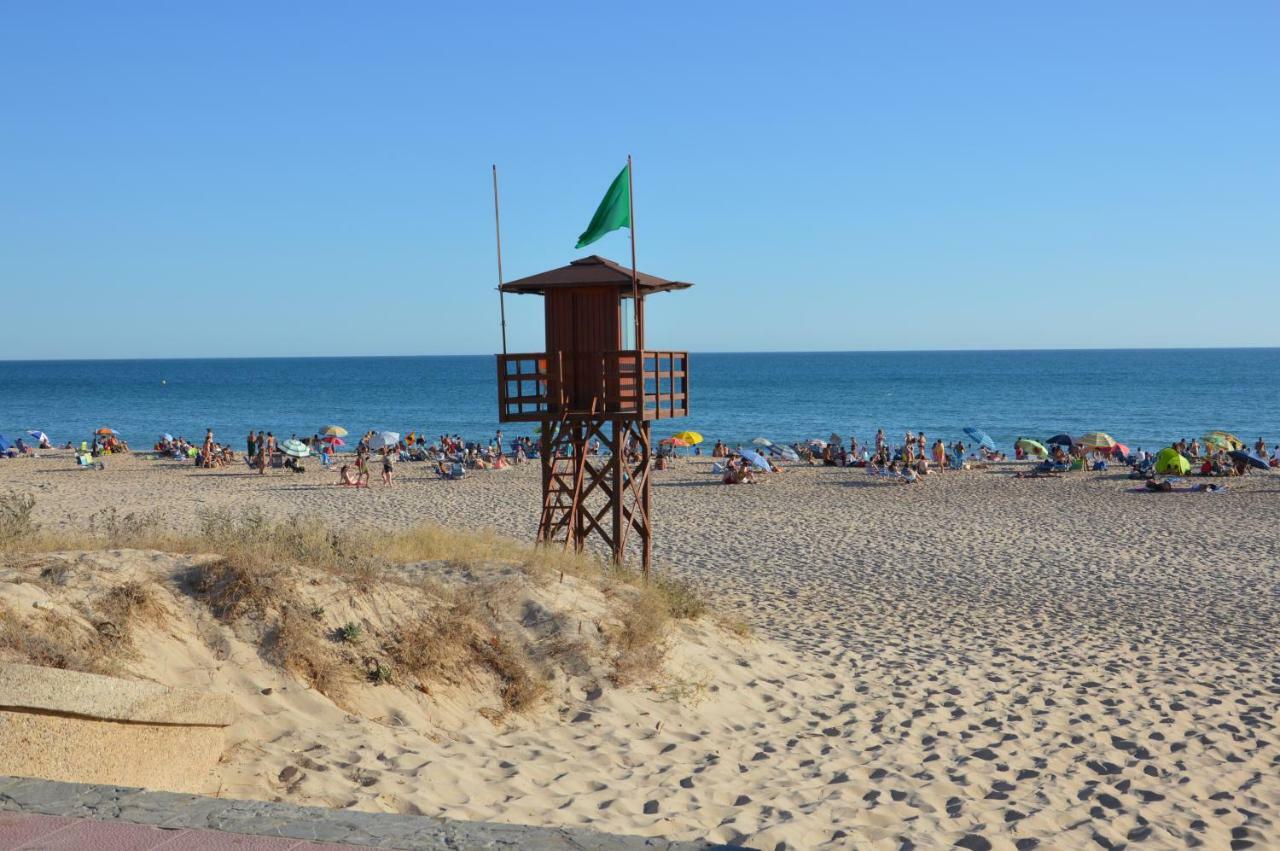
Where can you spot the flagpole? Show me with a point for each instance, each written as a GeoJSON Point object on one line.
{"type": "Point", "coordinates": [497, 231]}
{"type": "Point", "coordinates": [635, 284]}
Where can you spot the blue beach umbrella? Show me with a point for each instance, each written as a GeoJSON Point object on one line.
{"type": "Point", "coordinates": [4, 443]}
{"type": "Point", "coordinates": [756, 459]}
{"type": "Point", "coordinates": [1250, 458]}
{"type": "Point", "coordinates": [786, 453]}
{"type": "Point", "coordinates": [166, 438]}
{"type": "Point", "coordinates": [980, 436]}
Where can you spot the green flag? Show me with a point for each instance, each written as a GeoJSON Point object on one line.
{"type": "Point", "coordinates": [614, 211]}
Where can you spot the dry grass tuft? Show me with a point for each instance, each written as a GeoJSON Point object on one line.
{"type": "Point", "coordinates": [641, 638]}
{"type": "Point", "coordinates": [232, 588]}
{"type": "Point", "coordinates": [134, 602]}
{"type": "Point", "coordinates": [462, 638]}
{"type": "Point", "coordinates": [299, 647]}
{"type": "Point", "coordinates": [54, 640]}
{"type": "Point", "coordinates": [16, 525]}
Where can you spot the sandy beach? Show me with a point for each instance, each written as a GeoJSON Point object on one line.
{"type": "Point", "coordinates": [976, 660]}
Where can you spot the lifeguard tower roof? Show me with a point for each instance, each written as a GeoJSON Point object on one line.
{"type": "Point", "coordinates": [593, 271]}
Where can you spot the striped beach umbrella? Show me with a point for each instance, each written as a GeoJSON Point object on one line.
{"type": "Point", "coordinates": [1097, 440]}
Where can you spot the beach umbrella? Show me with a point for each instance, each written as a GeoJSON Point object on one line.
{"type": "Point", "coordinates": [334, 431]}
{"type": "Point", "coordinates": [104, 431]}
{"type": "Point", "coordinates": [384, 438]}
{"type": "Point", "coordinates": [1249, 458]}
{"type": "Point", "coordinates": [786, 453]}
{"type": "Point", "coordinates": [763, 441]}
{"type": "Point", "coordinates": [333, 440]}
{"type": "Point", "coordinates": [690, 437]}
{"type": "Point", "coordinates": [1168, 461]}
{"type": "Point", "coordinates": [1223, 440]}
{"type": "Point", "coordinates": [4, 443]}
{"type": "Point", "coordinates": [755, 459]}
{"type": "Point", "coordinates": [817, 444]}
{"type": "Point", "coordinates": [980, 436]}
{"type": "Point", "coordinates": [1097, 440]}
{"type": "Point", "coordinates": [1031, 447]}
{"type": "Point", "coordinates": [674, 441]}
{"type": "Point", "coordinates": [295, 448]}
{"type": "Point", "coordinates": [38, 435]}
{"type": "Point", "coordinates": [166, 438]}
{"type": "Point", "coordinates": [1119, 449]}
{"type": "Point", "coordinates": [1062, 439]}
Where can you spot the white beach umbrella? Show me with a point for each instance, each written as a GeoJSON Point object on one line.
{"type": "Point", "coordinates": [762, 441]}
{"type": "Point", "coordinates": [295, 448]}
{"type": "Point", "coordinates": [384, 438]}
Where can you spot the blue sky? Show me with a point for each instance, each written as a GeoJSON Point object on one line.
{"type": "Point", "coordinates": [313, 178]}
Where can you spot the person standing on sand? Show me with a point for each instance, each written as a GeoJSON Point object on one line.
{"type": "Point", "coordinates": [206, 450]}
{"type": "Point", "coordinates": [251, 445]}
{"type": "Point", "coordinates": [879, 441]}
{"type": "Point", "coordinates": [386, 466]}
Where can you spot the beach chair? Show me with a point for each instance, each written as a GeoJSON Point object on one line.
{"type": "Point", "coordinates": [85, 462]}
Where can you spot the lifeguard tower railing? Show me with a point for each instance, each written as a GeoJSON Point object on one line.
{"type": "Point", "coordinates": [631, 384]}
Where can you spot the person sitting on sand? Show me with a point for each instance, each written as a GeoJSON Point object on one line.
{"type": "Point", "coordinates": [346, 477]}
{"type": "Point", "coordinates": [909, 476]}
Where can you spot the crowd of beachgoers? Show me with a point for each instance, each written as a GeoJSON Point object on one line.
{"type": "Point", "coordinates": [906, 461]}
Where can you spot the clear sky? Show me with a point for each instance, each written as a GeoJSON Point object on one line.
{"type": "Point", "coordinates": [182, 179]}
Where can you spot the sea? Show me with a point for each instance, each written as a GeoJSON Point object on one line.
{"type": "Point", "coordinates": [1143, 398]}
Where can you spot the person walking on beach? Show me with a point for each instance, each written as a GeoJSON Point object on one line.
{"type": "Point", "coordinates": [386, 466]}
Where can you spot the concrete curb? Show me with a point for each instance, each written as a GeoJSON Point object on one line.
{"type": "Point", "coordinates": [262, 818]}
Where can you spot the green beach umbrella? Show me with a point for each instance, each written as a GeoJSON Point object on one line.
{"type": "Point", "coordinates": [1032, 447]}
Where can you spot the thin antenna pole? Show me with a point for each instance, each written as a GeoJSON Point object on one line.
{"type": "Point", "coordinates": [497, 231]}
{"type": "Point", "coordinates": [635, 284]}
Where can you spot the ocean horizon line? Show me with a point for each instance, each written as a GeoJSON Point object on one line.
{"type": "Point", "coordinates": [1099, 349]}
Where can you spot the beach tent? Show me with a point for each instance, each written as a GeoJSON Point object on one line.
{"type": "Point", "coordinates": [4, 443]}
{"type": "Point", "coordinates": [1061, 439]}
{"type": "Point", "coordinates": [1168, 461]}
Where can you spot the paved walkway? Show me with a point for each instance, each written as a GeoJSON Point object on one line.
{"type": "Point", "coordinates": [49, 816]}
{"type": "Point", "coordinates": [35, 832]}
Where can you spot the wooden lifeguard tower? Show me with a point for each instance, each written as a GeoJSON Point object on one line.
{"type": "Point", "coordinates": [587, 387]}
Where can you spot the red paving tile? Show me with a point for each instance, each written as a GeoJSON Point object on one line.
{"type": "Point", "coordinates": [216, 840]}
{"type": "Point", "coordinates": [83, 834]}
{"type": "Point", "coordinates": [19, 828]}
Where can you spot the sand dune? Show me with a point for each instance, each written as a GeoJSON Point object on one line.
{"type": "Point", "coordinates": [976, 660]}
